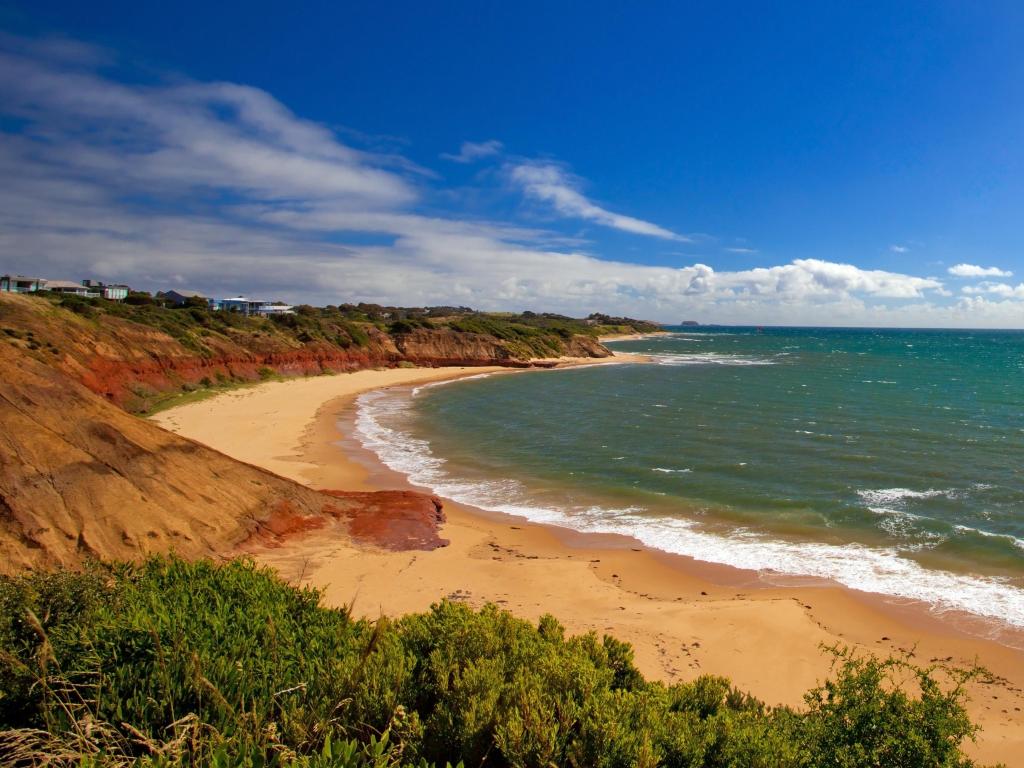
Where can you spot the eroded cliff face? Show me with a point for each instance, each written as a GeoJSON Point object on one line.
{"type": "Point", "coordinates": [446, 347]}
{"type": "Point", "coordinates": [128, 363]}
{"type": "Point", "coordinates": [79, 477]}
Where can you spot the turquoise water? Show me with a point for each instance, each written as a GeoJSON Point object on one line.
{"type": "Point", "coordinates": [886, 460]}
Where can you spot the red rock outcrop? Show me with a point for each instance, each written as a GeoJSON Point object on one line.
{"type": "Point", "coordinates": [395, 520]}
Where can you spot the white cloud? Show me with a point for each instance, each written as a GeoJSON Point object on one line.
{"type": "Point", "coordinates": [898, 248]}
{"type": "Point", "coordinates": [973, 270]}
{"type": "Point", "coordinates": [549, 183]}
{"type": "Point", "coordinates": [1003, 290]}
{"type": "Point", "coordinates": [741, 250]}
{"type": "Point", "coordinates": [186, 136]}
{"type": "Point", "coordinates": [472, 151]}
{"type": "Point", "coordinates": [220, 187]}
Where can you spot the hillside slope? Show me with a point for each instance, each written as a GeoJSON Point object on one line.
{"type": "Point", "coordinates": [80, 477]}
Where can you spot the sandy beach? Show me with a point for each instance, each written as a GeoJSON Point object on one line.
{"type": "Point", "coordinates": [684, 618]}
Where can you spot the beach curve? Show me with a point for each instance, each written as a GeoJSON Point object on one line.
{"type": "Point", "coordinates": [683, 617]}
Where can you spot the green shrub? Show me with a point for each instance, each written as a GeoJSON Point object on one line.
{"type": "Point", "coordinates": [169, 663]}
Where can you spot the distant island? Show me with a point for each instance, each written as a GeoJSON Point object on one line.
{"type": "Point", "coordinates": [689, 323]}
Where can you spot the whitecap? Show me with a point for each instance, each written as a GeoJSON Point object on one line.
{"type": "Point", "coordinates": [1019, 543]}
{"type": "Point", "coordinates": [416, 390]}
{"type": "Point", "coordinates": [886, 496]}
{"type": "Point", "coordinates": [708, 358]}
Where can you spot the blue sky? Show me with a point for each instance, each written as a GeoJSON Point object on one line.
{"type": "Point", "coordinates": [854, 164]}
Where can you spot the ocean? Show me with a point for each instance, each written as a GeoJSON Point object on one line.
{"type": "Point", "coordinates": [885, 460]}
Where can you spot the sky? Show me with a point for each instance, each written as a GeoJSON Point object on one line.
{"type": "Point", "coordinates": [754, 163]}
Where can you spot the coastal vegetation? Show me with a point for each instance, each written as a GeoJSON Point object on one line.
{"type": "Point", "coordinates": [175, 663]}
{"type": "Point", "coordinates": [147, 352]}
{"type": "Point", "coordinates": [349, 325]}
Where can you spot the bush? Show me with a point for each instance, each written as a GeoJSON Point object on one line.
{"type": "Point", "coordinates": [169, 663]}
{"type": "Point", "coordinates": [79, 305]}
{"type": "Point", "coordinates": [139, 298]}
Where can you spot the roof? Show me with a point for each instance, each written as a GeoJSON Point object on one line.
{"type": "Point", "coordinates": [187, 294]}
{"type": "Point", "coordinates": [22, 278]}
{"type": "Point", "coordinates": [52, 284]}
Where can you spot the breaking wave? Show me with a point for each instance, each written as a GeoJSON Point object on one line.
{"type": "Point", "coordinates": [709, 358]}
{"type": "Point", "coordinates": [885, 571]}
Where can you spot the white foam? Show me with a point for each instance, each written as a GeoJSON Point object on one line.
{"type": "Point", "coordinates": [670, 471]}
{"type": "Point", "coordinates": [1019, 543]}
{"type": "Point", "coordinates": [903, 524]}
{"type": "Point", "coordinates": [708, 358]}
{"type": "Point", "coordinates": [870, 569]}
{"type": "Point", "coordinates": [416, 390]}
{"type": "Point", "coordinates": [886, 496]}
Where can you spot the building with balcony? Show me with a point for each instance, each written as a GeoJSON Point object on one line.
{"type": "Point", "coordinates": [21, 284]}
{"type": "Point", "coordinates": [247, 306]}
{"type": "Point", "coordinates": [109, 291]}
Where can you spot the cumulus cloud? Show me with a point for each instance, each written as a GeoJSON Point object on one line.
{"type": "Point", "coordinates": [973, 270]}
{"type": "Point", "coordinates": [898, 248]}
{"type": "Point", "coordinates": [1003, 290]}
{"type": "Point", "coordinates": [550, 183]}
{"type": "Point", "coordinates": [220, 187]}
{"type": "Point", "coordinates": [472, 151]}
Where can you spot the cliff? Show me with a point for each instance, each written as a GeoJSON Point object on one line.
{"type": "Point", "coordinates": [79, 477]}
{"type": "Point", "coordinates": [132, 360]}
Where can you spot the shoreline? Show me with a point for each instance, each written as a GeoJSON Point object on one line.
{"type": "Point", "coordinates": [633, 336]}
{"type": "Point", "coordinates": [682, 616]}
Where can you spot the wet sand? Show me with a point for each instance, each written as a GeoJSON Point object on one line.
{"type": "Point", "coordinates": [683, 617]}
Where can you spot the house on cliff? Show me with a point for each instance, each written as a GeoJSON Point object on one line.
{"type": "Point", "coordinates": [180, 297]}
{"type": "Point", "coordinates": [109, 291]}
{"type": "Point", "coordinates": [21, 284]}
{"type": "Point", "coordinates": [248, 306]}
{"type": "Point", "coordinates": [91, 289]}
{"type": "Point", "coordinates": [70, 288]}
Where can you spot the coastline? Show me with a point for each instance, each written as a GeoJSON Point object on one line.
{"type": "Point", "coordinates": [683, 617]}
{"type": "Point", "coordinates": [632, 336]}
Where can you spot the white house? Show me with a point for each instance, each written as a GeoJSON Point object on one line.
{"type": "Point", "coordinates": [70, 287]}
{"type": "Point", "coordinates": [249, 306]}
{"type": "Point", "coordinates": [109, 291]}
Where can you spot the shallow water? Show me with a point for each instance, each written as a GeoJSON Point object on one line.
{"type": "Point", "coordinates": [886, 460]}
